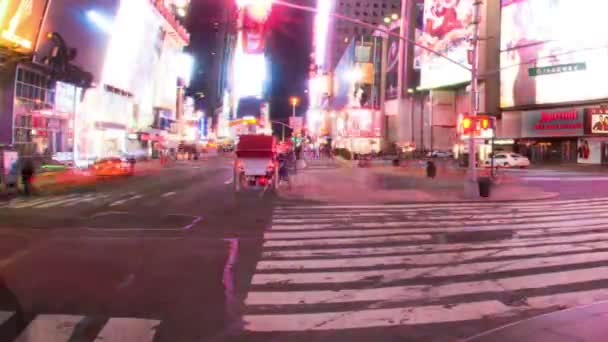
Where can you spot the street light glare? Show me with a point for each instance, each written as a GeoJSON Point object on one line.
{"type": "Point", "coordinates": [387, 20]}
{"type": "Point", "coordinates": [395, 16]}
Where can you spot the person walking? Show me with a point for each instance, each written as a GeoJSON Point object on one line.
{"type": "Point", "coordinates": [27, 173]}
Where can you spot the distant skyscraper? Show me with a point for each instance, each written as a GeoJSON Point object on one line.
{"type": "Point", "coordinates": [369, 11]}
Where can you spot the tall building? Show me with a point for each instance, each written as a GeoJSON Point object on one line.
{"type": "Point", "coordinates": [369, 11]}
{"type": "Point", "coordinates": [86, 80]}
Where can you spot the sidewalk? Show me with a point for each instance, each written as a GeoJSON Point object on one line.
{"type": "Point", "coordinates": [571, 167]}
{"type": "Point", "coordinates": [585, 324]}
{"type": "Point", "coordinates": [387, 184]}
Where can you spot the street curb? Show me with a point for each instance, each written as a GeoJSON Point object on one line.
{"type": "Point", "coordinates": [491, 331]}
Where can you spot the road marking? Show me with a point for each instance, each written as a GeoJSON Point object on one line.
{"type": "Point", "coordinates": [169, 194]}
{"type": "Point", "coordinates": [50, 328]}
{"type": "Point", "coordinates": [58, 202]}
{"type": "Point", "coordinates": [430, 227]}
{"type": "Point", "coordinates": [128, 329]}
{"type": "Point", "coordinates": [390, 262]}
{"type": "Point", "coordinates": [374, 318]}
{"type": "Point", "coordinates": [193, 223]}
{"type": "Point", "coordinates": [5, 316]}
{"type": "Point", "coordinates": [123, 201]}
{"type": "Point", "coordinates": [456, 205]}
{"type": "Point", "coordinates": [317, 277]}
{"type": "Point", "coordinates": [421, 292]}
{"type": "Point", "coordinates": [432, 247]}
{"type": "Point", "coordinates": [30, 203]}
{"type": "Point", "coordinates": [432, 218]}
{"type": "Point", "coordinates": [420, 260]}
{"type": "Point", "coordinates": [329, 242]}
{"type": "Point", "coordinates": [14, 257]}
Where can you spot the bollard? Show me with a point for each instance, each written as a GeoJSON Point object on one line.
{"type": "Point", "coordinates": [431, 169]}
{"type": "Point", "coordinates": [484, 186]}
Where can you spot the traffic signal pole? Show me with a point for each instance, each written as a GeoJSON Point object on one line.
{"type": "Point", "coordinates": [471, 188]}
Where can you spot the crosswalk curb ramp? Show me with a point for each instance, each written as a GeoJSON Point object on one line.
{"type": "Point", "coordinates": [64, 328]}
{"type": "Point", "coordinates": [339, 267]}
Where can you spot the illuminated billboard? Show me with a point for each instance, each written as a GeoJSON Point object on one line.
{"type": "Point", "coordinates": [20, 22]}
{"type": "Point", "coordinates": [552, 51]}
{"type": "Point", "coordinates": [447, 29]}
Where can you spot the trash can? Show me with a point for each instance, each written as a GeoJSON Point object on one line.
{"type": "Point", "coordinates": [431, 169]}
{"type": "Point", "coordinates": [396, 162]}
{"type": "Point", "coordinates": [484, 186]}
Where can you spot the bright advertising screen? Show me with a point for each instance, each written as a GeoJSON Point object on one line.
{"type": "Point", "coordinates": [553, 51]}
{"type": "Point", "coordinates": [447, 29]}
{"type": "Point", "coordinates": [19, 23]}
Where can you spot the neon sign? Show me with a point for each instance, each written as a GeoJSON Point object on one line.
{"type": "Point", "coordinates": [19, 22]}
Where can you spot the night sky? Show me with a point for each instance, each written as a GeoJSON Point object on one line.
{"type": "Point", "coordinates": [289, 47]}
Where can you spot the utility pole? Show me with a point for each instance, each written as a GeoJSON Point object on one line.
{"type": "Point", "coordinates": [403, 57]}
{"type": "Point", "coordinates": [383, 66]}
{"type": "Point", "coordinates": [471, 188]}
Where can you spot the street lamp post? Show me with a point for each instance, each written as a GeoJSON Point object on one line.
{"type": "Point", "coordinates": [294, 100]}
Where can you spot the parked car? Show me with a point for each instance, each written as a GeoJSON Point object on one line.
{"type": "Point", "coordinates": [508, 160]}
{"type": "Point", "coordinates": [113, 166]}
{"type": "Point", "coordinates": [441, 154]}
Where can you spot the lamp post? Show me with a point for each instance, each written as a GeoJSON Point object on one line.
{"type": "Point", "coordinates": [294, 100]}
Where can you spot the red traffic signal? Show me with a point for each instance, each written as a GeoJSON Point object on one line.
{"type": "Point", "coordinates": [475, 124]}
{"type": "Point", "coordinates": [467, 125]}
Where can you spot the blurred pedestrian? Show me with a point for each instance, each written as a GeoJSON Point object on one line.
{"type": "Point", "coordinates": [27, 173]}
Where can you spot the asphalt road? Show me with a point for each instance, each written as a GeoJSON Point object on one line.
{"type": "Point", "coordinates": [165, 254]}
{"type": "Point", "coordinates": [174, 255]}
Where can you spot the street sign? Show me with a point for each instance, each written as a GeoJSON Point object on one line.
{"type": "Point", "coordinates": [296, 123]}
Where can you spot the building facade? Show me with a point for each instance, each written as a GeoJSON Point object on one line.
{"type": "Point", "coordinates": [551, 94]}
{"type": "Point", "coordinates": [96, 83]}
{"type": "Point", "coordinates": [372, 12]}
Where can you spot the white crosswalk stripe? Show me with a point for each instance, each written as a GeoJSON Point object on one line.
{"type": "Point", "coordinates": [65, 201]}
{"type": "Point", "coordinates": [335, 267]}
{"type": "Point", "coordinates": [62, 328]}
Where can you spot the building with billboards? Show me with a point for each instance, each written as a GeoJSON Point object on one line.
{"type": "Point", "coordinates": [443, 92]}
{"type": "Point", "coordinates": [137, 73]}
{"type": "Point", "coordinates": [85, 79]}
{"type": "Point", "coordinates": [553, 63]}
{"type": "Point", "coordinates": [28, 117]}
{"type": "Point", "coordinates": [353, 121]}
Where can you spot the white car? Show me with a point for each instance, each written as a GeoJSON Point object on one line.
{"type": "Point", "coordinates": [441, 154]}
{"type": "Point", "coordinates": [508, 160]}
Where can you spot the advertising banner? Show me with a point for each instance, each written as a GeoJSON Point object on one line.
{"type": "Point", "coordinates": [20, 22]}
{"type": "Point", "coordinates": [553, 123]}
{"type": "Point", "coordinates": [447, 30]}
{"type": "Point", "coordinates": [392, 66]}
{"type": "Point", "coordinates": [552, 51]}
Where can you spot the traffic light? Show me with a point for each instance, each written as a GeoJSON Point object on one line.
{"type": "Point", "coordinates": [484, 123]}
{"type": "Point", "coordinates": [478, 126]}
{"type": "Point", "coordinates": [467, 124]}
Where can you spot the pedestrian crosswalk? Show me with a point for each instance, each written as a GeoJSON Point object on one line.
{"type": "Point", "coordinates": [337, 267]}
{"type": "Point", "coordinates": [70, 200]}
{"type": "Point", "coordinates": [64, 328]}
